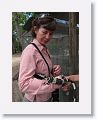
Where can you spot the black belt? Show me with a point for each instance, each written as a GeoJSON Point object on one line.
{"type": "Point", "coordinates": [39, 76]}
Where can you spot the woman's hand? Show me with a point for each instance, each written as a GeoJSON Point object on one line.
{"type": "Point", "coordinates": [66, 87]}
{"type": "Point", "coordinates": [56, 70]}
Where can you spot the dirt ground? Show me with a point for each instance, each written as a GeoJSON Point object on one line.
{"type": "Point", "coordinates": [15, 63]}
{"type": "Point", "coordinates": [16, 94]}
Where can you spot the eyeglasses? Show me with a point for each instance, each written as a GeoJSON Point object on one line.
{"type": "Point", "coordinates": [45, 15]}
{"type": "Point", "coordinates": [46, 20]}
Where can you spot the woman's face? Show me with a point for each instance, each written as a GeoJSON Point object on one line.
{"type": "Point", "coordinates": [43, 35]}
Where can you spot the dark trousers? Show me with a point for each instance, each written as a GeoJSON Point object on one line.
{"type": "Point", "coordinates": [55, 95]}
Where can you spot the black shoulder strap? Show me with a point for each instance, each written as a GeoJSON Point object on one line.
{"type": "Point", "coordinates": [42, 56]}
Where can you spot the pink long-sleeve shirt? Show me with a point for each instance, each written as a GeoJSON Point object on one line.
{"type": "Point", "coordinates": [31, 63]}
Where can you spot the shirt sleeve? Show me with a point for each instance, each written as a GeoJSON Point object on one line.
{"type": "Point", "coordinates": [27, 83]}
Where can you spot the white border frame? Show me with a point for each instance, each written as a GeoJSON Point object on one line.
{"type": "Point", "coordinates": [81, 107]}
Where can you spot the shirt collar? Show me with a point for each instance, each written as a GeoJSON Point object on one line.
{"type": "Point", "coordinates": [40, 46]}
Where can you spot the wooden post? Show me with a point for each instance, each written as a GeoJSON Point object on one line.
{"type": "Point", "coordinates": [73, 48]}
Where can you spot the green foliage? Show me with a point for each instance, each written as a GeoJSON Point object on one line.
{"type": "Point", "coordinates": [18, 20]}
{"type": "Point", "coordinates": [18, 47]}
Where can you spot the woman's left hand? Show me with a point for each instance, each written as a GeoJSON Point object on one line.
{"type": "Point", "coordinates": [56, 70]}
{"type": "Point", "coordinates": [66, 87]}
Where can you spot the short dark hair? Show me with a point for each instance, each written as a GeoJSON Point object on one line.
{"type": "Point", "coordinates": [44, 20]}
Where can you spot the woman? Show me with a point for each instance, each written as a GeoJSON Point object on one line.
{"type": "Point", "coordinates": [33, 63]}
